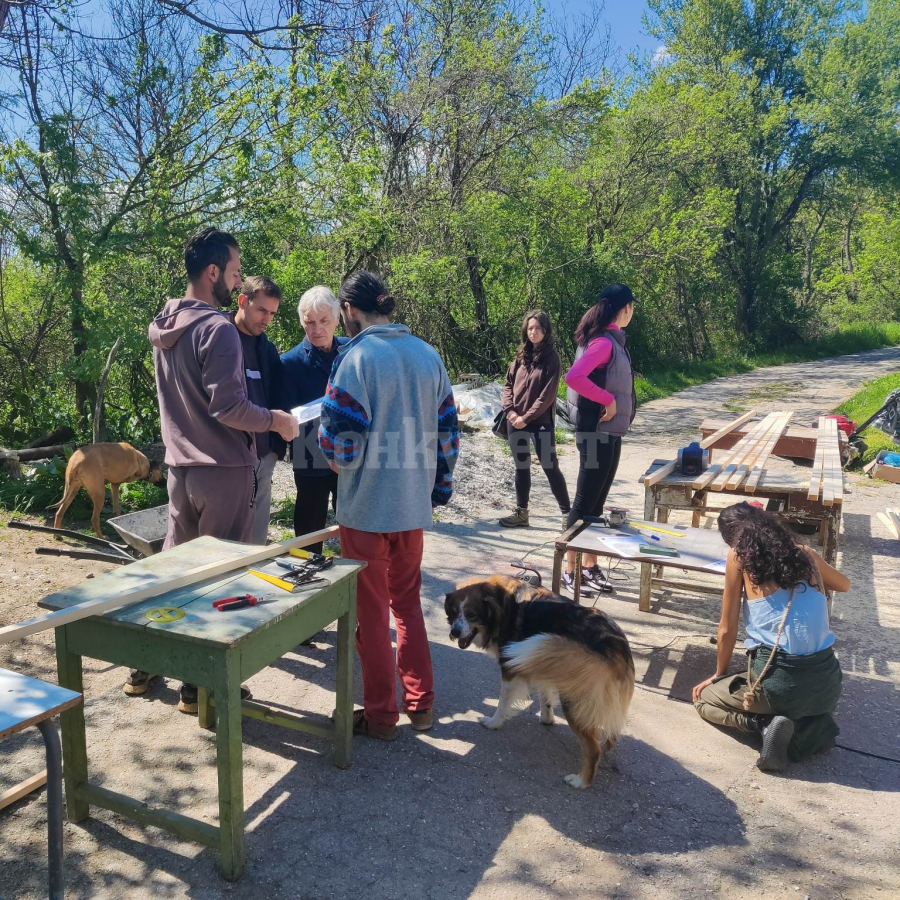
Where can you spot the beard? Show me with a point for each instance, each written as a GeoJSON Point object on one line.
{"type": "Point", "coordinates": [221, 293]}
{"type": "Point", "coordinates": [352, 328]}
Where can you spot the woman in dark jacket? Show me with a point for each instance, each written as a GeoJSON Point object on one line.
{"type": "Point", "coordinates": [305, 371]}
{"type": "Point", "coordinates": [530, 401]}
{"type": "Point", "coordinates": [602, 403]}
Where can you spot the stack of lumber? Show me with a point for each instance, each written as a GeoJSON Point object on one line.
{"type": "Point", "coordinates": [705, 444]}
{"type": "Point", "coordinates": [745, 463]}
{"type": "Point", "coordinates": [827, 477]}
{"type": "Point", "coordinates": [891, 520]}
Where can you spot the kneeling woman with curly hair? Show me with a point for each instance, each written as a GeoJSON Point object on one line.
{"type": "Point", "coordinates": [793, 678]}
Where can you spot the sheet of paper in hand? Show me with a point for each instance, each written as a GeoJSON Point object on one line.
{"type": "Point", "coordinates": [308, 412]}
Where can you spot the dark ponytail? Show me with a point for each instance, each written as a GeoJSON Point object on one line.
{"type": "Point", "coordinates": [368, 293]}
{"type": "Point", "coordinates": [612, 300]}
{"type": "Point", "coordinates": [765, 548]}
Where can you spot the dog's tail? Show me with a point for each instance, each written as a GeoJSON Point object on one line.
{"type": "Point", "coordinates": [596, 688]}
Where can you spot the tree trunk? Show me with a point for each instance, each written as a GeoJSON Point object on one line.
{"type": "Point", "coordinates": [85, 390]}
{"type": "Point", "coordinates": [57, 436]}
{"type": "Point", "coordinates": [482, 320]}
{"type": "Point", "coordinates": [744, 312]}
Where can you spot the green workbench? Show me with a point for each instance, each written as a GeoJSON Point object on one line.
{"type": "Point", "coordinates": [214, 650]}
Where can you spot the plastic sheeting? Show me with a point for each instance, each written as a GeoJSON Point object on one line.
{"type": "Point", "coordinates": [478, 406]}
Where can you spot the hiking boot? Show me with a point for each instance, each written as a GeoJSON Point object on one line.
{"type": "Point", "coordinates": [362, 726]}
{"type": "Point", "coordinates": [595, 578]}
{"type": "Point", "coordinates": [421, 720]}
{"type": "Point", "coordinates": [137, 682]}
{"type": "Point", "coordinates": [187, 698]}
{"type": "Point", "coordinates": [519, 518]}
{"type": "Point", "coordinates": [568, 584]}
{"type": "Point", "coordinates": [776, 735]}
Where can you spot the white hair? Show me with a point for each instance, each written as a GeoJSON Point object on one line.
{"type": "Point", "coordinates": [318, 298]}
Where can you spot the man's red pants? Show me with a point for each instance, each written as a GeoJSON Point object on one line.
{"type": "Point", "coordinates": [390, 583]}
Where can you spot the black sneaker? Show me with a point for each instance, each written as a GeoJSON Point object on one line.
{"type": "Point", "coordinates": [568, 584]}
{"type": "Point", "coordinates": [595, 577]}
{"type": "Point", "coordinates": [776, 735]}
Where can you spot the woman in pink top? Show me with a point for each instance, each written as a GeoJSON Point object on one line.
{"type": "Point", "coordinates": [602, 403]}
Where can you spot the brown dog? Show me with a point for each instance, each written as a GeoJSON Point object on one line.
{"type": "Point", "coordinates": [545, 641]}
{"type": "Point", "coordinates": [92, 466]}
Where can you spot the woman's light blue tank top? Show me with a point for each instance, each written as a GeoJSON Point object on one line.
{"type": "Point", "coordinates": [806, 630]}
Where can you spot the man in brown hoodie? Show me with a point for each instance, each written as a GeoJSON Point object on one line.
{"type": "Point", "coordinates": [208, 423]}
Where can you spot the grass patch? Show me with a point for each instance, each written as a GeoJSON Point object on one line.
{"type": "Point", "coordinates": [862, 405]}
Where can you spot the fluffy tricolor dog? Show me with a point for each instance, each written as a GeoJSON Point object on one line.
{"type": "Point", "coordinates": [562, 649]}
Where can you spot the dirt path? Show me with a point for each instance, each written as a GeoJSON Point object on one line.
{"type": "Point", "coordinates": [679, 811]}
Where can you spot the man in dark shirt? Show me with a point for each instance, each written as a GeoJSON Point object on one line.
{"type": "Point", "coordinates": [257, 305]}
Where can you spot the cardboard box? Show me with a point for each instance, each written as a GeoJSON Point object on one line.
{"type": "Point", "coordinates": [885, 473]}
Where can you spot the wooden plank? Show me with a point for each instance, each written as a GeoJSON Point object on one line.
{"type": "Point", "coordinates": [831, 466]}
{"type": "Point", "coordinates": [22, 789]}
{"type": "Point", "coordinates": [721, 473]}
{"type": "Point", "coordinates": [738, 450]}
{"type": "Point", "coordinates": [797, 441]}
{"type": "Point", "coordinates": [815, 477]}
{"type": "Point", "coordinates": [763, 458]}
{"type": "Point", "coordinates": [837, 466]}
{"type": "Point", "coordinates": [173, 822]}
{"type": "Point", "coordinates": [26, 701]}
{"type": "Point", "coordinates": [888, 522]}
{"type": "Point", "coordinates": [161, 586]}
{"type": "Point", "coordinates": [751, 457]}
{"type": "Point", "coordinates": [894, 516]}
{"type": "Point", "coordinates": [705, 444]}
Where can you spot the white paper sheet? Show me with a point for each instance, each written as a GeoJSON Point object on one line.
{"type": "Point", "coordinates": [308, 411]}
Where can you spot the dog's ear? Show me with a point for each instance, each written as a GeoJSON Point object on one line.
{"type": "Point", "coordinates": [451, 605]}
{"type": "Point", "coordinates": [494, 599]}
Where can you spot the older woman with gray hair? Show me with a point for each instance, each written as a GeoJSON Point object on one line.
{"type": "Point", "coordinates": [305, 371]}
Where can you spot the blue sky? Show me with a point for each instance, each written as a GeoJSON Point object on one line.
{"type": "Point", "coordinates": [624, 18]}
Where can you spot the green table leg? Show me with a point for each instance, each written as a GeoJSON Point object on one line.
{"type": "Point", "coordinates": [71, 722]}
{"type": "Point", "coordinates": [206, 716]}
{"type": "Point", "coordinates": [343, 715]}
{"type": "Point", "coordinates": [229, 753]}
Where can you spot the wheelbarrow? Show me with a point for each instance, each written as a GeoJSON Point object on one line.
{"type": "Point", "coordinates": [143, 533]}
{"type": "Point", "coordinates": [144, 530]}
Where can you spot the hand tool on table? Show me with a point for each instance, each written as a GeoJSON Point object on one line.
{"type": "Point", "coordinates": [308, 554]}
{"type": "Point", "coordinates": [227, 604]}
{"type": "Point", "coordinates": [297, 576]}
{"type": "Point", "coordinates": [646, 527]}
{"type": "Point", "coordinates": [305, 573]}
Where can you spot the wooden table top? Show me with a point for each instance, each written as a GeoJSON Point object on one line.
{"type": "Point", "coordinates": [773, 481]}
{"type": "Point", "coordinates": [26, 701]}
{"type": "Point", "coordinates": [202, 622]}
{"type": "Point", "coordinates": [699, 549]}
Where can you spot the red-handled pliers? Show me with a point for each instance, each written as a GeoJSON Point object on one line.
{"type": "Point", "coordinates": [226, 604]}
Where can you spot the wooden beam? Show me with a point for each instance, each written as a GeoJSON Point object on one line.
{"type": "Point", "coordinates": [22, 789]}
{"type": "Point", "coordinates": [772, 439]}
{"type": "Point", "coordinates": [727, 466]}
{"type": "Point", "coordinates": [815, 477]}
{"type": "Point", "coordinates": [751, 457]}
{"type": "Point", "coordinates": [161, 586]}
{"type": "Point", "coordinates": [888, 523]}
{"type": "Point", "coordinates": [705, 444]}
{"type": "Point", "coordinates": [894, 516]}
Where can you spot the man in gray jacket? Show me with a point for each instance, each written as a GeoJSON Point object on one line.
{"type": "Point", "coordinates": [208, 423]}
